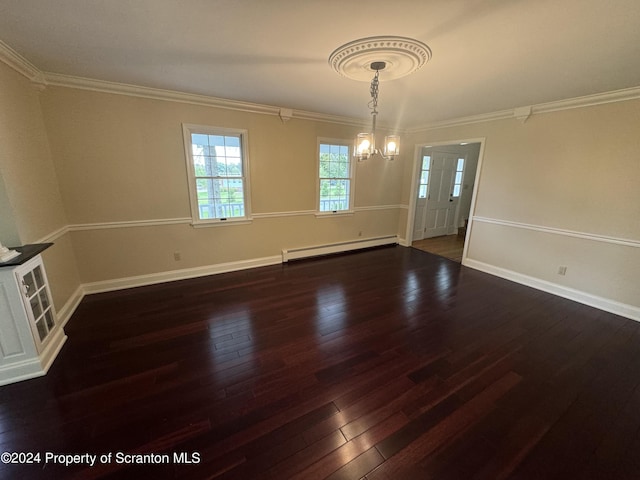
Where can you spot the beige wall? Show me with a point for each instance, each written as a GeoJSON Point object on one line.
{"type": "Point", "coordinates": [572, 172]}
{"type": "Point", "coordinates": [560, 189]}
{"type": "Point", "coordinates": [121, 158]}
{"type": "Point", "coordinates": [30, 201]}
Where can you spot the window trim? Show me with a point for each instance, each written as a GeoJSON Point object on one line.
{"type": "Point", "coordinates": [187, 130]}
{"type": "Point", "coordinates": [352, 177]}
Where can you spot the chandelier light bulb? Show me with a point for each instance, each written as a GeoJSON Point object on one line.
{"type": "Point", "coordinates": [391, 146]}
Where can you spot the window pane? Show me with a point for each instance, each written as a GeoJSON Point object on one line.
{"type": "Point", "coordinates": [199, 165]}
{"type": "Point", "coordinates": [342, 169]}
{"type": "Point", "coordinates": [213, 167]}
{"type": "Point", "coordinates": [205, 192]}
{"type": "Point", "coordinates": [456, 190]}
{"type": "Point", "coordinates": [423, 191]}
{"type": "Point", "coordinates": [460, 164]}
{"type": "Point", "coordinates": [219, 177]}
{"type": "Point", "coordinates": [198, 139]}
{"type": "Point", "coordinates": [216, 141]}
{"type": "Point", "coordinates": [29, 283]}
{"type": "Point", "coordinates": [37, 272]}
{"type": "Point", "coordinates": [424, 177]}
{"type": "Point", "coordinates": [234, 167]}
{"type": "Point", "coordinates": [233, 142]}
{"type": "Point", "coordinates": [35, 306]}
{"type": "Point", "coordinates": [220, 198]}
{"type": "Point", "coordinates": [426, 162]}
{"type": "Point", "coordinates": [49, 319]}
{"type": "Point", "coordinates": [334, 178]}
{"type": "Point", "coordinates": [458, 177]}
{"type": "Point", "coordinates": [44, 300]}
{"type": "Point", "coordinates": [42, 330]}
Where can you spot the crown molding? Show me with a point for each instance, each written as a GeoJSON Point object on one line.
{"type": "Point", "coordinates": [103, 86]}
{"type": "Point", "coordinates": [454, 122]}
{"type": "Point", "coordinates": [523, 113]}
{"type": "Point", "coordinates": [42, 79]}
{"type": "Point", "coordinates": [20, 64]}
{"type": "Point", "coordinates": [324, 117]}
{"type": "Point", "coordinates": [621, 95]}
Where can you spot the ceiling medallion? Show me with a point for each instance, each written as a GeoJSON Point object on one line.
{"type": "Point", "coordinates": [401, 55]}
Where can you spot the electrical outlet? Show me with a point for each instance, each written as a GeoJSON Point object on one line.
{"type": "Point", "coordinates": [177, 256]}
{"type": "Point", "coordinates": [562, 270]}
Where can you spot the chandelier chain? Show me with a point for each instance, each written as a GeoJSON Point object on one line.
{"type": "Point", "coordinates": [373, 104]}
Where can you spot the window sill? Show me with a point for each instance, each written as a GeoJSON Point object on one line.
{"type": "Point", "coordinates": [339, 213]}
{"type": "Point", "coordinates": [221, 223]}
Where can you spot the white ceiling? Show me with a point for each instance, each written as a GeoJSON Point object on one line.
{"type": "Point", "coordinates": [488, 55]}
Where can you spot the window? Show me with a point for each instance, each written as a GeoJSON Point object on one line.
{"type": "Point", "coordinates": [217, 165]}
{"type": "Point", "coordinates": [424, 176]}
{"type": "Point", "coordinates": [335, 177]}
{"type": "Point", "coordinates": [457, 184]}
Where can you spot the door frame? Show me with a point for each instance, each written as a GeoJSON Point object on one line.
{"type": "Point", "coordinates": [415, 177]}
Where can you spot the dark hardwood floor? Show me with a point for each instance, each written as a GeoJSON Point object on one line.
{"type": "Point", "coordinates": [385, 364]}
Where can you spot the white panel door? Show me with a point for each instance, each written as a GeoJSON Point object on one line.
{"type": "Point", "coordinates": [441, 204]}
{"type": "Point", "coordinates": [420, 218]}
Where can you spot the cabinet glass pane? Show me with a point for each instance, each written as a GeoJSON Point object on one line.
{"type": "Point", "coordinates": [49, 319]}
{"type": "Point", "coordinates": [35, 307]}
{"type": "Point", "coordinates": [37, 272]}
{"type": "Point", "coordinates": [30, 283]}
{"type": "Point", "coordinates": [44, 300]}
{"type": "Point", "coordinates": [42, 330]}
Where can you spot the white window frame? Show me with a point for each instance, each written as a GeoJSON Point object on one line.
{"type": "Point", "coordinates": [189, 129]}
{"type": "Point", "coordinates": [351, 178]}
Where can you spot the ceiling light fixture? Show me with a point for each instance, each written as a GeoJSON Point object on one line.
{"type": "Point", "coordinates": [397, 56]}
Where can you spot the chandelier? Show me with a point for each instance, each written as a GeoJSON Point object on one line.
{"type": "Point", "coordinates": [365, 144]}
{"type": "Point", "coordinates": [397, 56]}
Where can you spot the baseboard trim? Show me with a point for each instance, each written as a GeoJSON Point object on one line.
{"type": "Point", "coordinates": [33, 367]}
{"type": "Point", "coordinates": [173, 275]}
{"type": "Point", "coordinates": [51, 352]}
{"type": "Point", "coordinates": [608, 305]}
{"type": "Point", "coordinates": [67, 310]}
{"type": "Point", "coordinates": [404, 242]}
{"type": "Point", "coordinates": [65, 313]}
{"type": "Point", "coordinates": [19, 371]}
{"type": "Point", "coordinates": [317, 250]}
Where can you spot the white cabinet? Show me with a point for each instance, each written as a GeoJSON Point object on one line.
{"type": "Point", "coordinates": [30, 337]}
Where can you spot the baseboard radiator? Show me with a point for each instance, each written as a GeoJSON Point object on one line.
{"type": "Point", "coordinates": [317, 250]}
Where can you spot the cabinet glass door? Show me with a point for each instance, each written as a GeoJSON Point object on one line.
{"type": "Point", "coordinates": [35, 289]}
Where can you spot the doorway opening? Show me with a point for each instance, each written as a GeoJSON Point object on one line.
{"type": "Point", "coordinates": [443, 194]}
